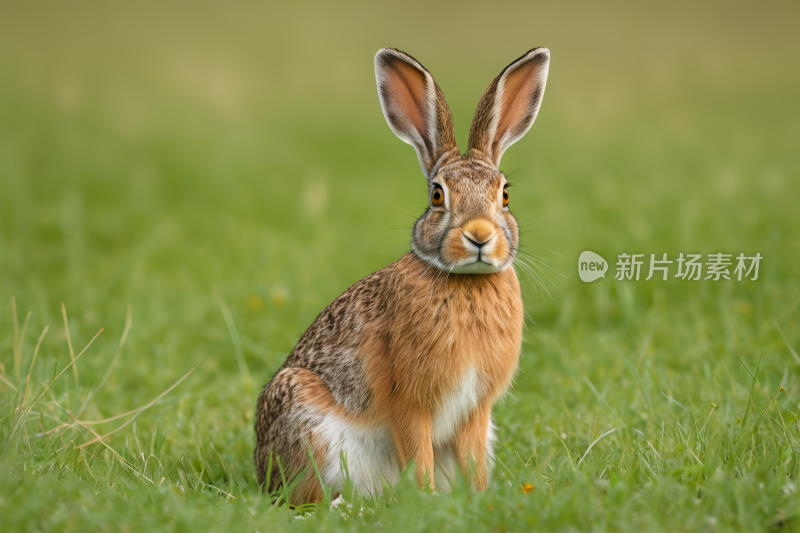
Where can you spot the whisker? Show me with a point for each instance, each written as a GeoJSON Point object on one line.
{"type": "Point", "coordinates": [435, 280]}
{"type": "Point", "coordinates": [529, 273]}
{"type": "Point", "coordinates": [546, 276]}
{"type": "Point", "coordinates": [426, 270]}
{"type": "Point", "coordinates": [531, 256]}
{"type": "Point", "coordinates": [522, 261]}
{"type": "Point", "coordinates": [543, 229]}
{"type": "Point", "coordinates": [393, 245]}
{"type": "Point", "coordinates": [543, 248]}
{"type": "Point", "coordinates": [519, 169]}
{"type": "Point", "coordinates": [541, 215]}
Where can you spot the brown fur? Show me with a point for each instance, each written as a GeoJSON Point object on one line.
{"type": "Point", "coordinates": [411, 335]}
{"type": "Point", "coordinates": [470, 445]}
{"type": "Point", "coordinates": [411, 361]}
{"type": "Point", "coordinates": [392, 349]}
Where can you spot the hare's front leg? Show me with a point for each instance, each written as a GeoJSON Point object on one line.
{"type": "Point", "coordinates": [413, 439]}
{"type": "Point", "coordinates": [470, 446]}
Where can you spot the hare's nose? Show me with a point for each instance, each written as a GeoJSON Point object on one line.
{"type": "Point", "coordinates": [478, 231]}
{"type": "Point", "coordinates": [478, 245]}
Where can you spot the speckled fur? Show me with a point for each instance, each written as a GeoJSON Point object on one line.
{"type": "Point", "coordinates": [407, 363]}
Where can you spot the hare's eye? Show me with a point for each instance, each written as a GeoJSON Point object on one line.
{"type": "Point", "coordinates": [505, 197]}
{"type": "Point", "coordinates": [437, 198]}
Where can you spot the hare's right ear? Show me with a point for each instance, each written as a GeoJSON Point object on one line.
{"type": "Point", "coordinates": [415, 108]}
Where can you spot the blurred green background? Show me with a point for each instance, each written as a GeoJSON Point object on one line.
{"type": "Point", "coordinates": [152, 153]}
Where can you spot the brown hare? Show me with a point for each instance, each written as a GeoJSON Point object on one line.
{"type": "Point", "coordinates": [407, 363]}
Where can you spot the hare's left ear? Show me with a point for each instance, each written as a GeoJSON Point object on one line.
{"type": "Point", "coordinates": [415, 108]}
{"type": "Point", "coordinates": [509, 106]}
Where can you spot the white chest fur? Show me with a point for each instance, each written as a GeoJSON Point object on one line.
{"type": "Point", "coordinates": [456, 406]}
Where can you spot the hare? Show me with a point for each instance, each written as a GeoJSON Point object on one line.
{"type": "Point", "coordinates": [407, 363]}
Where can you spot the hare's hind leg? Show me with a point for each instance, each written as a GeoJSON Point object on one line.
{"type": "Point", "coordinates": [357, 445]}
{"type": "Point", "coordinates": [284, 427]}
{"type": "Point", "coordinates": [297, 414]}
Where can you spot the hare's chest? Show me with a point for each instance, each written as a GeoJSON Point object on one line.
{"type": "Point", "coordinates": [455, 406]}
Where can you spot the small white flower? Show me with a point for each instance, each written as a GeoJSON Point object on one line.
{"type": "Point", "coordinates": [337, 502]}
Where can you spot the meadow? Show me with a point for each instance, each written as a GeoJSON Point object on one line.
{"type": "Point", "coordinates": [184, 187]}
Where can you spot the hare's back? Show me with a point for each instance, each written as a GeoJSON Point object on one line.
{"type": "Point", "coordinates": [330, 348]}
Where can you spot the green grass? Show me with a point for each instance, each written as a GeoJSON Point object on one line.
{"type": "Point", "coordinates": [224, 174]}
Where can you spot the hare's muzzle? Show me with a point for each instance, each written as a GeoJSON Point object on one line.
{"type": "Point", "coordinates": [478, 235]}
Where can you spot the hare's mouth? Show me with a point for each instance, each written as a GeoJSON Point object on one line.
{"type": "Point", "coordinates": [476, 267]}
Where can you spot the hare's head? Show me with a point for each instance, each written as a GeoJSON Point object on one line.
{"type": "Point", "coordinates": [467, 227]}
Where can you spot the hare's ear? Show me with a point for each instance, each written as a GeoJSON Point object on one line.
{"type": "Point", "coordinates": [415, 107]}
{"type": "Point", "coordinates": [510, 104]}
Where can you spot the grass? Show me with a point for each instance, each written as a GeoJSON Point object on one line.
{"type": "Point", "coordinates": [191, 187]}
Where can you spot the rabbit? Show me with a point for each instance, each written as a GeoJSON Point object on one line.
{"type": "Point", "coordinates": [406, 364]}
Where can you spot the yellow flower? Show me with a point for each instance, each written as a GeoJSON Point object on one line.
{"type": "Point", "coordinates": [254, 303]}
{"type": "Point", "coordinates": [527, 487]}
{"type": "Point", "coordinates": [279, 297]}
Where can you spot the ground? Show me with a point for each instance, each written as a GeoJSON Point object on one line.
{"type": "Point", "coordinates": [213, 177]}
